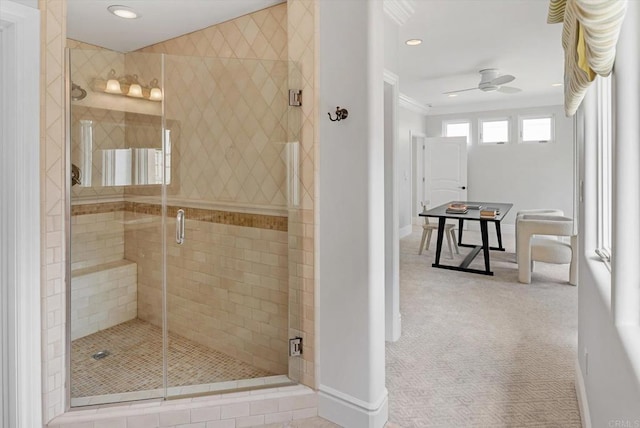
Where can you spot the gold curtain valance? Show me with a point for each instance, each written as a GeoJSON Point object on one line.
{"type": "Point", "coordinates": [590, 30]}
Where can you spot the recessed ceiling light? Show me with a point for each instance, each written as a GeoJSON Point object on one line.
{"type": "Point", "coordinates": [556, 84]}
{"type": "Point", "coordinates": [413, 42]}
{"type": "Point", "coordinates": [453, 95]}
{"type": "Point", "coordinates": [123, 11]}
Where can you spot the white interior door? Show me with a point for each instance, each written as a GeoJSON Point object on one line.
{"type": "Point", "coordinates": [445, 170]}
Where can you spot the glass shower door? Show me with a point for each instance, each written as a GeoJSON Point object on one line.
{"type": "Point", "coordinates": [227, 274]}
{"type": "Point", "coordinates": [117, 252]}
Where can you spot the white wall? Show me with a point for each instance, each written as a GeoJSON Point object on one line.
{"type": "Point", "coordinates": [527, 175]}
{"type": "Point", "coordinates": [29, 3]}
{"type": "Point", "coordinates": [410, 122]}
{"type": "Point", "coordinates": [608, 303]}
{"type": "Point", "coordinates": [391, 52]}
{"type": "Point", "coordinates": [350, 256]}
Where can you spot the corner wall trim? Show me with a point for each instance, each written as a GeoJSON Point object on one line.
{"type": "Point", "coordinates": [413, 104]}
{"type": "Point", "coordinates": [349, 411]}
{"type": "Point", "coordinates": [20, 268]}
{"type": "Point", "coordinates": [581, 392]}
{"type": "Point", "coordinates": [399, 10]}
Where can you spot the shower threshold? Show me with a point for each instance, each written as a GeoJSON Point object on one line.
{"type": "Point", "coordinates": [132, 370]}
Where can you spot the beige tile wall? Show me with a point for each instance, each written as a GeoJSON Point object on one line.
{"type": "Point", "coordinates": [96, 239]}
{"type": "Point", "coordinates": [102, 296]}
{"type": "Point", "coordinates": [52, 143]}
{"type": "Point", "coordinates": [226, 286]}
{"type": "Point", "coordinates": [233, 120]}
{"type": "Point", "coordinates": [259, 35]}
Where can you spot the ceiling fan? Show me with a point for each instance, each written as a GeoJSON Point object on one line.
{"type": "Point", "coordinates": [491, 81]}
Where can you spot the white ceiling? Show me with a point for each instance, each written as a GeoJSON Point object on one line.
{"type": "Point", "coordinates": [89, 20]}
{"type": "Point", "coordinates": [460, 37]}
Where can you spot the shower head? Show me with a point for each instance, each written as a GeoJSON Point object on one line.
{"type": "Point", "coordinates": [77, 93]}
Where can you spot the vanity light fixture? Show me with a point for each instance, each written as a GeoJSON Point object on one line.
{"type": "Point", "coordinates": [128, 85]}
{"type": "Point", "coordinates": [156, 93]}
{"type": "Point", "coordinates": [453, 95]}
{"type": "Point", "coordinates": [123, 11]}
{"type": "Point", "coordinates": [413, 42]}
{"type": "Point", "coordinates": [135, 90]}
{"type": "Point", "coordinates": [113, 85]}
{"type": "Point", "coordinates": [556, 84]}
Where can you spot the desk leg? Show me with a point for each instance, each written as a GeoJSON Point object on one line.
{"type": "Point", "coordinates": [499, 233]}
{"type": "Point", "coordinates": [485, 244]}
{"type": "Point", "coordinates": [460, 227]}
{"type": "Point", "coordinates": [441, 222]}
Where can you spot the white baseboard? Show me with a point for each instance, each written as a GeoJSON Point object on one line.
{"type": "Point", "coordinates": [581, 392]}
{"type": "Point", "coordinates": [405, 231]}
{"type": "Point", "coordinates": [348, 411]}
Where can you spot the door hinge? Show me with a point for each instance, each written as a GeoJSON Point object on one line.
{"type": "Point", "coordinates": [295, 346]}
{"type": "Point", "coordinates": [295, 97]}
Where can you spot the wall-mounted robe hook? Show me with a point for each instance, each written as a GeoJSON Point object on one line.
{"type": "Point", "coordinates": [341, 113]}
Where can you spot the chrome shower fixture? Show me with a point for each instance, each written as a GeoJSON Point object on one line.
{"type": "Point", "coordinates": [77, 93]}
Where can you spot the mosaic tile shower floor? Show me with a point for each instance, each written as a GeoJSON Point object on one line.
{"type": "Point", "coordinates": [134, 362]}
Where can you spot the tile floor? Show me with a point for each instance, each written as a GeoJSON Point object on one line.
{"type": "Point", "coordinates": [133, 368]}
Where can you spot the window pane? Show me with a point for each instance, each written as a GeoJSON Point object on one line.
{"type": "Point", "coordinates": [536, 129]}
{"type": "Point", "coordinates": [496, 131]}
{"type": "Point", "coordinates": [457, 130]}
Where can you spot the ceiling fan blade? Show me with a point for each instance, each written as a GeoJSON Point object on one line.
{"type": "Point", "coordinates": [501, 80]}
{"type": "Point", "coordinates": [459, 90]}
{"type": "Point", "coordinates": [509, 90]}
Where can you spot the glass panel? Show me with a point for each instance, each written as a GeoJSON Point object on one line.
{"type": "Point", "coordinates": [457, 130]}
{"type": "Point", "coordinates": [116, 234]}
{"type": "Point", "coordinates": [495, 131]}
{"type": "Point", "coordinates": [227, 280]}
{"type": "Point", "coordinates": [536, 129]}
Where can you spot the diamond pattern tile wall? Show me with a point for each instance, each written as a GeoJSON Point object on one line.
{"type": "Point", "coordinates": [232, 115]}
{"type": "Point", "coordinates": [52, 142]}
{"type": "Point", "coordinates": [259, 35]}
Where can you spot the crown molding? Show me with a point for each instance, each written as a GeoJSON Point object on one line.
{"type": "Point", "coordinates": [399, 10]}
{"type": "Point", "coordinates": [413, 105]}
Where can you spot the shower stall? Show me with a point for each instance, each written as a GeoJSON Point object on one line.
{"type": "Point", "coordinates": [182, 173]}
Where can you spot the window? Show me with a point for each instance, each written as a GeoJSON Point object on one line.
{"type": "Point", "coordinates": [494, 131]}
{"type": "Point", "coordinates": [604, 168]}
{"type": "Point", "coordinates": [537, 129]}
{"type": "Point", "coordinates": [457, 129]}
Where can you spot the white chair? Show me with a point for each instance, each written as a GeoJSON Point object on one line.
{"type": "Point", "coordinates": [535, 242]}
{"type": "Point", "coordinates": [521, 213]}
{"type": "Point", "coordinates": [449, 234]}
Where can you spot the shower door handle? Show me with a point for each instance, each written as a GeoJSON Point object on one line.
{"type": "Point", "coordinates": [180, 227]}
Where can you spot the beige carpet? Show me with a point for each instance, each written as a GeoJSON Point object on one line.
{"type": "Point", "coordinates": [480, 351]}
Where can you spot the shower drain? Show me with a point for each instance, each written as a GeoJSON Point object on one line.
{"type": "Point", "coordinates": [100, 355]}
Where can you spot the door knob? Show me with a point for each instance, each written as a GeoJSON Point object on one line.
{"type": "Point", "coordinates": [463, 187]}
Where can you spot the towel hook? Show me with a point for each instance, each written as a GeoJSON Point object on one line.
{"type": "Point", "coordinates": [341, 113]}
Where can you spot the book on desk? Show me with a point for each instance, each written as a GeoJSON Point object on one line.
{"type": "Point", "coordinates": [489, 212]}
{"type": "Point", "coordinates": [457, 208]}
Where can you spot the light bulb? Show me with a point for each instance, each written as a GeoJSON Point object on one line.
{"type": "Point", "coordinates": [156, 94]}
{"type": "Point", "coordinates": [135, 90]}
{"type": "Point", "coordinates": [113, 87]}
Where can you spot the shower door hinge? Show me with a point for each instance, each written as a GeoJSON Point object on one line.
{"type": "Point", "coordinates": [295, 347]}
{"type": "Point", "coordinates": [295, 97]}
